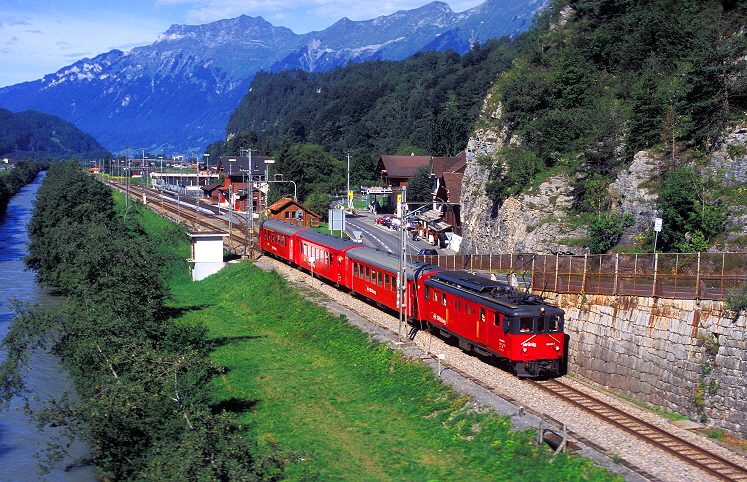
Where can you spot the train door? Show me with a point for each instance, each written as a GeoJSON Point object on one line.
{"type": "Point", "coordinates": [492, 329]}
{"type": "Point", "coordinates": [485, 318]}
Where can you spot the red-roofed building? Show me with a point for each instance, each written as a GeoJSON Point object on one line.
{"type": "Point", "coordinates": [396, 171]}
{"type": "Point", "coordinates": [447, 173]}
{"type": "Point", "coordinates": [291, 211]}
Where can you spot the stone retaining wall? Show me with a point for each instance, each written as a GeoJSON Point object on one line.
{"type": "Point", "coordinates": [682, 356]}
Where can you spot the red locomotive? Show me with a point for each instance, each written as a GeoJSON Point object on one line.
{"type": "Point", "coordinates": [486, 316]}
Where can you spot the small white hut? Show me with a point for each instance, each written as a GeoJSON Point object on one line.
{"type": "Point", "coordinates": [207, 253]}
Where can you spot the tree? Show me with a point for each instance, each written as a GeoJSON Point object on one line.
{"type": "Point", "coordinates": [311, 168]}
{"type": "Point", "coordinates": [448, 131]}
{"type": "Point", "coordinates": [420, 185]}
{"type": "Point", "coordinates": [687, 211]}
{"type": "Point", "coordinates": [362, 167]}
{"type": "Point", "coordinates": [319, 203]}
{"type": "Point", "coordinates": [141, 378]}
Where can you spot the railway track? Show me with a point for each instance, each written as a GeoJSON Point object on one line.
{"type": "Point", "coordinates": [188, 213]}
{"type": "Point", "coordinates": [661, 439]}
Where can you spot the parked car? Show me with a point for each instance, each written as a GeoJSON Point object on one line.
{"type": "Point", "coordinates": [384, 219]}
{"type": "Point", "coordinates": [427, 252]}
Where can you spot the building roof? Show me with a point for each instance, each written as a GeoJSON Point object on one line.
{"type": "Point", "coordinates": [402, 166]}
{"type": "Point", "coordinates": [453, 184]}
{"type": "Point", "coordinates": [237, 165]}
{"type": "Point", "coordinates": [430, 216]}
{"type": "Point", "coordinates": [442, 165]}
{"type": "Point", "coordinates": [284, 202]}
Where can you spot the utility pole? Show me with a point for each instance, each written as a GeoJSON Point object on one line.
{"type": "Point", "coordinates": [127, 178]}
{"type": "Point", "coordinates": [349, 194]}
{"type": "Point", "coordinates": [251, 202]}
{"type": "Point", "coordinates": [402, 273]}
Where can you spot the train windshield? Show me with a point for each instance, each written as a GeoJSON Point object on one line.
{"type": "Point", "coordinates": [552, 323]}
{"type": "Point", "coordinates": [542, 324]}
{"type": "Point", "coordinates": [526, 324]}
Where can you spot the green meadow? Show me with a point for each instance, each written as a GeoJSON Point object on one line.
{"type": "Point", "coordinates": [340, 406]}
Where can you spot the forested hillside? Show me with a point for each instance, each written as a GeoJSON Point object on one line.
{"type": "Point", "coordinates": [599, 81]}
{"type": "Point", "coordinates": [589, 86]}
{"type": "Point", "coordinates": [425, 104]}
{"type": "Point", "coordinates": [33, 134]}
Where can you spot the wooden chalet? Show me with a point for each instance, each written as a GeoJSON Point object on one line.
{"type": "Point", "coordinates": [396, 171]}
{"type": "Point", "coordinates": [291, 211]}
{"type": "Point", "coordinates": [447, 174]}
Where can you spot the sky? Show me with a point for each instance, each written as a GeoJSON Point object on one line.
{"type": "Point", "coordinates": [39, 37]}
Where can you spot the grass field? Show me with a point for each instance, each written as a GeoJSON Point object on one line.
{"type": "Point", "coordinates": [345, 407]}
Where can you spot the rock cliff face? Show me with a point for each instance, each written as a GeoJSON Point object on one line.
{"type": "Point", "coordinates": [629, 197]}
{"type": "Point", "coordinates": [536, 221]}
{"type": "Point", "coordinates": [531, 222]}
{"type": "Point", "coordinates": [729, 161]}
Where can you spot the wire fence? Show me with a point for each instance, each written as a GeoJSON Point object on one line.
{"type": "Point", "coordinates": [686, 276]}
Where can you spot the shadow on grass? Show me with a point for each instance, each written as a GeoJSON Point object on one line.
{"type": "Point", "coordinates": [172, 312]}
{"type": "Point", "coordinates": [234, 405]}
{"type": "Point", "coordinates": [228, 340]}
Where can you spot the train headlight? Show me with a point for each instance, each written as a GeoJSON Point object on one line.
{"type": "Point", "coordinates": [557, 348]}
{"type": "Point", "coordinates": [524, 349]}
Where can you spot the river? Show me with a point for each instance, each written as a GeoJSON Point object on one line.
{"type": "Point", "coordinates": [20, 440]}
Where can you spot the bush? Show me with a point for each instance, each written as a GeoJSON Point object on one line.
{"type": "Point", "coordinates": [605, 231]}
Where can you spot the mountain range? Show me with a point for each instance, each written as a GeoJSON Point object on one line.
{"type": "Point", "coordinates": [176, 95]}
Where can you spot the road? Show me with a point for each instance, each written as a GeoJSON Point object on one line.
{"type": "Point", "coordinates": [381, 237]}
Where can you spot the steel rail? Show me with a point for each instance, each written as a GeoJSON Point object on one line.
{"type": "Point", "coordinates": [682, 449]}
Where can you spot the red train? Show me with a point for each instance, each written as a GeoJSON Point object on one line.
{"type": "Point", "coordinates": [485, 316]}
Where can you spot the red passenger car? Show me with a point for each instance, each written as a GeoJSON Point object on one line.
{"type": "Point", "coordinates": [322, 254]}
{"type": "Point", "coordinates": [373, 274]}
{"type": "Point", "coordinates": [486, 316]}
{"type": "Point", "coordinates": [276, 237]}
{"type": "Point", "coordinates": [492, 318]}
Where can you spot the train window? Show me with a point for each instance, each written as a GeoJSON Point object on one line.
{"type": "Point", "coordinates": [355, 269]}
{"type": "Point", "coordinates": [466, 309]}
{"type": "Point", "coordinates": [435, 296]}
{"type": "Point", "coordinates": [381, 278]}
{"type": "Point", "coordinates": [482, 314]}
{"type": "Point", "coordinates": [458, 304]}
{"type": "Point", "coordinates": [373, 276]}
{"type": "Point", "coordinates": [443, 299]}
{"type": "Point", "coordinates": [386, 281]}
{"type": "Point", "coordinates": [552, 323]}
{"type": "Point", "coordinates": [427, 294]}
{"type": "Point", "coordinates": [526, 324]}
{"type": "Point", "coordinates": [368, 273]}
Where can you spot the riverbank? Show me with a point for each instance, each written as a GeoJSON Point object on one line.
{"type": "Point", "coordinates": [20, 439]}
